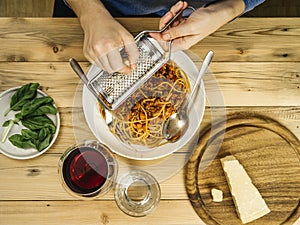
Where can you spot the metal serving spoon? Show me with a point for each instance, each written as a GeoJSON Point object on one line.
{"type": "Point", "coordinates": [176, 125]}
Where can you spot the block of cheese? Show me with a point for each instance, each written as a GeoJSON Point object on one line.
{"type": "Point", "coordinates": [248, 202]}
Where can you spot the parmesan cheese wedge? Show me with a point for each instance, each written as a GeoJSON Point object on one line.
{"type": "Point", "coordinates": [248, 202]}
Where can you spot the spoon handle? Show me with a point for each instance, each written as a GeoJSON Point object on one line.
{"type": "Point", "coordinates": [78, 70]}
{"type": "Point", "coordinates": [207, 60]}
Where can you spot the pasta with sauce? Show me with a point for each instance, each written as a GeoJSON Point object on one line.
{"type": "Point", "coordinates": [139, 120]}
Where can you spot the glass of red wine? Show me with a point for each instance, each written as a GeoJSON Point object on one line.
{"type": "Point", "coordinates": [88, 170]}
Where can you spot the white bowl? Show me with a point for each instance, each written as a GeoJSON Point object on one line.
{"type": "Point", "coordinates": [99, 128]}
{"type": "Point", "coordinates": [7, 148]}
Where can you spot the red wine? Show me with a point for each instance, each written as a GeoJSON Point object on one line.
{"type": "Point", "coordinates": [85, 170]}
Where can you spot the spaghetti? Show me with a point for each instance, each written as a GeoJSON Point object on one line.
{"type": "Point", "coordinates": [139, 120]}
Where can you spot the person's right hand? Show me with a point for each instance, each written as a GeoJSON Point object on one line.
{"type": "Point", "coordinates": [184, 33]}
{"type": "Point", "coordinates": [104, 37]}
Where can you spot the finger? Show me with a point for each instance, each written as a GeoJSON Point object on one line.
{"type": "Point", "coordinates": [185, 5]}
{"type": "Point", "coordinates": [133, 54]}
{"type": "Point", "coordinates": [175, 23]}
{"type": "Point", "coordinates": [158, 38]}
{"type": "Point", "coordinates": [165, 19]}
{"type": "Point", "coordinates": [104, 61]}
{"type": "Point", "coordinates": [169, 15]}
{"type": "Point", "coordinates": [115, 60]}
{"type": "Point", "coordinates": [91, 56]}
{"type": "Point", "coordinates": [177, 7]}
{"type": "Point", "coordinates": [173, 11]}
{"type": "Point", "coordinates": [183, 29]}
{"type": "Point", "coordinates": [99, 64]}
{"type": "Point", "coordinates": [180, 6]}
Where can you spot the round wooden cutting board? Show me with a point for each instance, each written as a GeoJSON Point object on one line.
{"type": "Point", "coordinates": [268, 152]}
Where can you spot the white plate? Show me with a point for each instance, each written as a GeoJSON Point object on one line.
{"type": "Point", "coordinates": [98, 126]}
{"type": "Point", "coordinates": [7, 148]}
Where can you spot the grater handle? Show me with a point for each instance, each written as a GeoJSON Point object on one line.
{"type": "Point", "coordinates": [78, 70]}
{"type": "Point", "coordinates": [168, 56]}
{"type": "Point", "coordinates": [170, 22]}
{"type": "Point", "coordinates": [141, 34]}
{"type": "Point", "coordinates": [161, 30]}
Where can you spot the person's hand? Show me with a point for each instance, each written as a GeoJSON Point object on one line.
{"type": "Point", "coordinates": [104, 37]}
{"type": "Point", "coordinates": [164, 21]}
{"type": "Point", "coordinates": [201, 23]}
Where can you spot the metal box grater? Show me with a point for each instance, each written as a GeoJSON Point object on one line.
{"type": "Point", "coordinates": [114, 88]}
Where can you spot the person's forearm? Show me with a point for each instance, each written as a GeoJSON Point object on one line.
{"type": "Point", "coordinates": [89, 7]}
{"type": "Point", "coordinates": [226, 10]}
{"type": "Point", "coordinates": [89, 10]}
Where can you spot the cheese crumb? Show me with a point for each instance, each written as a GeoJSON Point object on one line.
{"type": "Point", "coordinates": [217, 195]}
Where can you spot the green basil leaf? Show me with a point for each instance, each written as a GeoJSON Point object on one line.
{"type": "Point", "coordinates": [44, 143]}
{"type": "Point", "coordinates": [44, 109]}
{"type": "Point", "coordinates": [18, 116]}
{"type": "Point", "coordinates": [33, 105]}
{"type": "Point", "coordinates": [43, 133]}
{"type": "Point", "coordinates": [23, 95]}
{"type": "Point", "coordinates": [39, 122]}
{"type": "Point", "coordinates": [29, 134]}
{"type": "Point", "coordinates": [6, 123]}
{"type": "Point", "coordinates": [19, 141]}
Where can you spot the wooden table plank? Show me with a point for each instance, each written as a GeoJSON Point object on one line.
{"type": "Point", "coordinates": [30, 8]}
{"type": "Point", "coordinates": [257, 83]}
{"type": "Point", "coordinates": [37, 179]}
{"type": "Point", "coordinates": [288, 116]}
{"type": "Point", "coordinates": [93, 212]}
{"type": "Point", "coordinates": [245, 39]}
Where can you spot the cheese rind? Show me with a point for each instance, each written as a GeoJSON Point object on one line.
{"type": "Point", "coordinates": [248, 202]}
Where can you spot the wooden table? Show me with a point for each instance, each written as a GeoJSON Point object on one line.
{"type": "Point", "coordinates": [257, 66]}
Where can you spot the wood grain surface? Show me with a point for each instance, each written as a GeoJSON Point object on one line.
{"type": "Point", "coordinates": [258, 83]}
{"type": "Point", "coordinates": [26, 8]}
{"type": "Point", "coordinates": [255, 69]}
{"type": "Point", "coordinates": [244, 40]}
{"type": "Point", "coordinates": [268, 151]}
